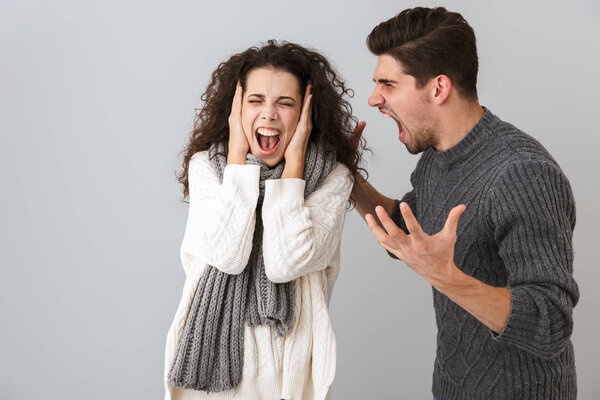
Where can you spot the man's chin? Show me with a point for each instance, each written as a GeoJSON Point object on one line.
{"type": "Point", "coordinates": [410, 147]}
{"type": "Point", "coordinates": [413, 150]}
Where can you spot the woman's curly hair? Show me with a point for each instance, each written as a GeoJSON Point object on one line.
{"type": "Point", "coordinates": [332, 119]}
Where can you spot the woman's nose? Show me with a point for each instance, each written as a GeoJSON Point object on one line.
{"type": "Point", "coordinates": [269, 112]}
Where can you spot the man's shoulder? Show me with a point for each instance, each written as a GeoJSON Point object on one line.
{"type": "Point", "coordinates": [519, 146]}
{"type": "Point", "coordinates": [526, 161]}
{"type": "Point", "coordinates": [513, 155]}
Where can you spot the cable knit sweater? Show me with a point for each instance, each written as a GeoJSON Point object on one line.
{"type": "Point", "coordinates": [517, 233]}
{"type": "Point", "coordinates": [301, 243]}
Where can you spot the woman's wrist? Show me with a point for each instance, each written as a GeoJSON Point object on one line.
{"type": "Point", "coordinates": [293, 169]}
{"type": "Point", "coordinates": [236, 157]}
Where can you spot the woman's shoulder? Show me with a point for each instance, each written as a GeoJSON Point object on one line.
{"type": "Point", "coordinates": [200, 161]}
{"type": "Point", "coordinates": [340, 173]}
{"type": "Point", "coordinates": [339, 167]}
{"type": "Point", "coordinates": [200, 166]}
{"type": "Point", "coordinates": [339, 180]}
{"type": "Point", "coordinates": [200, 157]}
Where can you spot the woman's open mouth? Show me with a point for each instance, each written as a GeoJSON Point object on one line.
{"type": "Point", "coordinates": [268, 140]}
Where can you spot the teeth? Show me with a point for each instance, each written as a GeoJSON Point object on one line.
{"type": "Point", "coordinates": [267, 132]}
{"type": "Point", "coordinates": [385, 115]}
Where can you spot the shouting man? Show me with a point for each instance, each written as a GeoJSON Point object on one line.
{"type": "Point", "coordinates": [488, 223]}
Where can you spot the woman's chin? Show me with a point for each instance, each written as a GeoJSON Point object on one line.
{"type": "Point", "coordinates": [270, 159]}
{"type": "Point", "coordinates": [273, 160]}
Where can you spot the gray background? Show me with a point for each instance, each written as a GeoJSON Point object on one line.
{"type": "Point", "coordinates": [97, 99]}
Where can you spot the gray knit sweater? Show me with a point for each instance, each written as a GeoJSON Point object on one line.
{"type": "Point", "coordinates": [517, 233]}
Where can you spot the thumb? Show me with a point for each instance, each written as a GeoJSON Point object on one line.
{"type": "Point", "coordinates": [357, 134]}
{"type": "Point", "coordinates": [453, 217]}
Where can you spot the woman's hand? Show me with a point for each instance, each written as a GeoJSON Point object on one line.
{"type": "Point", "coordinates": [238, 143]}
{"type": "Point", "coordinates": [296, 151]}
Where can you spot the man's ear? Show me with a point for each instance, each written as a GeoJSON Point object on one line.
{"type": "Point", "coordinates": [440, 89]}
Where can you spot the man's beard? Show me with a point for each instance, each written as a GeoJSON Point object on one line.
{"type": "Point", "coordinates": [424, 140]}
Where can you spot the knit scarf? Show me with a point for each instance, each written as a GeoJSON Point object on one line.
{"type": "Point", "coordinates": [210, 353]}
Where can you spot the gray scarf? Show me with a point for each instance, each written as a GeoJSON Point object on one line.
{"type": "Point", "coordinates": [210, 353]}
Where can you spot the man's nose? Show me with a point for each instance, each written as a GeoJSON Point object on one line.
{"type": "Point", "coordinates": [376, 99]}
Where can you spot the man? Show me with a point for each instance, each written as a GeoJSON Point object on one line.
{"type": "Point", "coordinates": [488, 223]}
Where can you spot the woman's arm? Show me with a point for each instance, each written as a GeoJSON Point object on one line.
{"type": "Point", "coordinates": [221, 216]}
{"type": "Point", "coordinates": [300, 236]}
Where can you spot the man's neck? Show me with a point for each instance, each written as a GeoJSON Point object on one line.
{"type": "Point", "coordinates": [457, 122]}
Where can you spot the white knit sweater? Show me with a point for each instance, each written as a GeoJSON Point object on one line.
{"type": "Point", "coordinates": [301, 242]}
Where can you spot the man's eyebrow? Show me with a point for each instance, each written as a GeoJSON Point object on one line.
{"type": "Point", "coordinates": [383, 80]}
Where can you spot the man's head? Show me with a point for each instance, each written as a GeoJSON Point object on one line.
{"type": "Point", "coordinates": [427, 58]}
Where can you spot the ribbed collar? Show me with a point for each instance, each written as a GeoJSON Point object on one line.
{"type": "Point", "coordinates": [478, 135]}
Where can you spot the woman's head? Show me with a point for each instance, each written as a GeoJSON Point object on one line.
{"type": "Point", "coordinates": [271, 106]}
{"type": "Point", "coordinates": [280, 73]}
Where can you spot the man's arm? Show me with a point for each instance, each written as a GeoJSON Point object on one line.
{"type": "Point", "coordinates": [489, 304]}
{"type": "Point", "coordinates": [365, 198]}
{"type": "Point", "coordinates": [432, 257]}
{"type": "Point", "coordinates": [532, 214]}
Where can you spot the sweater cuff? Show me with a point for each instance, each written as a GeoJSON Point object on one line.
{"type": "Point", "coordinates": [521, 323]}
{"type": "Point", "coordinates": [284, 190]}
{"type": "Point", "coordinates": [246, 176]}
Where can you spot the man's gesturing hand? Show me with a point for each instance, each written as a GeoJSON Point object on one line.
{"type": "Point", "coordinates": [432, 257]}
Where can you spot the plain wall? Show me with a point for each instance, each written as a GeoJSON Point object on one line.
{"type": "Point", "coordinates": [96, 101]}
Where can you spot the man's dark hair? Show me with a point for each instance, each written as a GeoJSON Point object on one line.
{"type": "Point", "coordinates": [430, 42]}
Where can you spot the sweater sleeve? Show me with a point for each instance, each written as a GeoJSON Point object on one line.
{"type": "Point", "coordinates": [300, 235]}
{"type": "Point", "coordinates": [221, 216]}
{"type": "Point", "coordinates": [532, 211]}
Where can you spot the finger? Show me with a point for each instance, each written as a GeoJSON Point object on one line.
{"type": "Point", "coordinates": [382, 237]}
{"type": "Point", "coordinates": [308, 90]}
{"type": "Point", "coordinates": [357, 134]}
{"type": "Point", "coordinates": [375, 227]}
{"type": "Point", "coordinates": [236, 104]}
{"type": "Point", "coordinates": [306, 106]}
{"type": "Point", "coordinates": [390, 249]}
{"type": "Point", "coordinates": [307, 95]}
{"type": "Point", "coordinates": [387, 222]}
{"type": "Point", "coordinates": [359, 128]}
{"type": "Point", "coordinates": [304, 127]}
{"type": "Point", "coordinates": [453, 216]}
{"type": "Point", "coordinates": [309, 111]}
{"type": "Point", "coordinates": [409, 219]}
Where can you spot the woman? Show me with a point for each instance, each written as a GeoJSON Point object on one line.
{"type": "Point", "coordinates": [268, 171]}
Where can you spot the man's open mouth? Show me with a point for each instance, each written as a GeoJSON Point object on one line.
{"type": "Point", "coordinates": [401, 133]}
